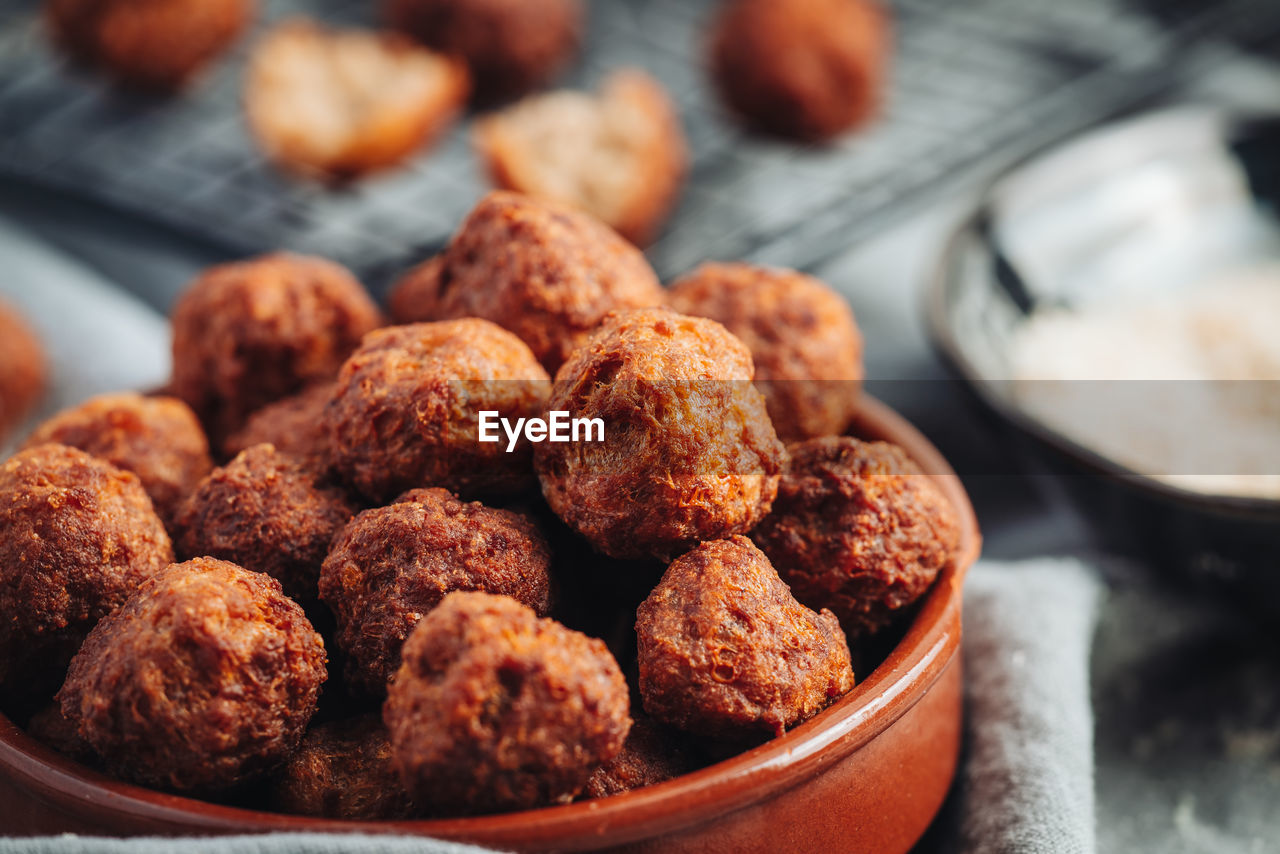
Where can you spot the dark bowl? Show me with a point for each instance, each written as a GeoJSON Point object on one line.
{"type": "Point", "coordinates": [868, 774]}
{"type": "Point", "coordinates": [1146, 207]}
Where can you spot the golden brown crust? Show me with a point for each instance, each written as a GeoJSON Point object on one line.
{"type": "Point", "coordinates": [859, 529]}
{"type": "Point", "coordinates": [415, 297]}
{"type": "Point", "coordinates": [249, 333]}
{"type": "Point", "coordinates": [23, 369]}
{"type": "Point", "coordinates": [203, 679]}
{"type": "Point", "coordinates": [510, 46]}
{"type": "Point", "coordinates": [149, 44]}
{"type": "Point", "coordinates": [495, 709]}
{"type": "Point", "coordinates": [546, 272]}
{"type": "Point", "coordinates": [802, 336]}
{"type": "Point", "coordinates": [727, 652]}
{"type": "Point", "coordinates": [293, 424]}
{"type": "Point", "coordinates": [265, 512]}
{"type": "Point", "coordinates": [806, 69]}
{"type": "Point", "coordinates": [652, 754]}
{"type": "Point", "coordinates": [391, 565]}
{"type": "Point", "coordinates": [406, 411]}
{"type": "Point", "coordinates": [689, 451]}
{"type": "Point", "coordinates": [343, 770]}
{"type": "Point", "coordinates": [157, 438]}
{"type": "Point", "coordinates": [620, 154]}
{"type": "Point", "coordinates": [339, 104]}
{"type": "Point", "coordinates": [77, 537]}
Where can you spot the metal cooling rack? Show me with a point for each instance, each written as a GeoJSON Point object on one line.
{"type": "Point", "coordinates": [973, 80]}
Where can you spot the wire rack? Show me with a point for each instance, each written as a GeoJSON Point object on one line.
{"type": "Point", "coordinates": [972, 80]}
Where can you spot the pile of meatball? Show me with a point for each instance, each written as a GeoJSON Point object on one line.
{"type": "Point", "coordinates": [296, 575]}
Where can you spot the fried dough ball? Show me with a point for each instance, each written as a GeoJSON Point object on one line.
{"type": "Point", "coordinates": [495, 709]}
{"type": "Point", "coordinates": [415, 297]}
{"type": "Point", "coordinates": [148, 44]}
{"type": "Point", "coordinates": [858, 528]}
{"type": "Point", "coordinates": [203, 679]}
{"type": "Point", "coordinates": [727, 652]}
{"type": "Point", "coordinates": [343, 770]}
{"type": "Point", "coordinates": [23, 369]}
{"type": "Point", "coordinates": [339, 104]}
{"type": "Point", "coordinates": [407, 409]}
{"type": "Point", "coordinates": [391, 565]}
{"type": "Point", "coordinates": [689, 451]}
{"type": "Point", "coordinates": [804, 69]}
{"type": "Point", "coordinates": [77, 537]}
{"type": "Point", "coordinates": [157, 438]}
{"type": "Point", "coordinates": [802, 336]}
{"type": "Point", "coordinates": [249, 333]}
{"type": "Point", "coordinates": [511, 46]}
{"type": "Point", "coordinates": [265, 512]}
{"type": "Point", "coordinates": [294, 424]}
{"type": "Point", "coordinates": [652, 754]}
{"type": "Point", "coordinates": [544, 271]}
{"type": "Point", "coordinates": [620, 154]}
{"type": "Point", "coordinates": [50, 728]}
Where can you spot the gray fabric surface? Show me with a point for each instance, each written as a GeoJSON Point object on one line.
{"type": "Point", "coordinates": [1027, 782]}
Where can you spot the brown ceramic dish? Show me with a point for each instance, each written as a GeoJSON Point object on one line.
{"type": "Point", "coordinates": [868, 774]}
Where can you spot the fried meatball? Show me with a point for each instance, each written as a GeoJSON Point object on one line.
{"type": "Point", "coordinates": [250, 333]}
{"type": "Point", "coordinates": [157, 438]}
{"type": "Point", "coordinates": [338, 104]}
{"type": "Point", "coordinates": [511, 46]}
{"type": "Point", "coordinates": [619, 154]}
{"type": "Point", "coordinates": [23, 369]}
{"type": "Point", "coordinates": [495, 709]}
{"type": "Point", "coordinates": [50, 728]}
{"type": "Point", "coordinates": [148, 44]}
{"type": "Point", "coordinates": [727, 652]}
{"type": "Point", "coordinates": [804, 69]}
{"type": "Point", "coordinates": [265, 512]}
{"type": "Point", "coordinates": [205, 678]}
{"type": "Point", "coordinates": [406, 412]}
{"type": "Point", "coordinates": [415, 297]}
{"type": "Point", "coordinates": [802, 336]}
{"type": "Point", "coordinates": [343, 770]}
{"type": "Point", "coordinates": [546, 272]}
{"type": "Point", "coordinates": [77, 537]}
{"type": "Point", "coordinates": [858, 528]}
{"type": "Point", "coordinates": [689, 451]}
{"type": "Point", "coordinates": [293, 424]}
{"type": "Point", "coordinates": [652, 754]}
{"type": "Point", "coordinates": [391, 565]}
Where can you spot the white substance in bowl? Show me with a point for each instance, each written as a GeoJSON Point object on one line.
{"type": "Point", "coordinates": [1186, 390]}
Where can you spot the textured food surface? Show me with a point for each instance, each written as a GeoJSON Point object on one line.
{"type": "Point", "coordinates": [293, 424]}
{"type": "Point", "coordinates": [652, 754]}
{"type": "Point", "coordinates": [23, 369]}
{"type": "Point", "coordinates": [415, 297]}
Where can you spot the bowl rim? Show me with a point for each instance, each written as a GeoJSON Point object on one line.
{"type": "Point", "coordinates": [940, 285]}
{"type": "Point", "coordinates": [872, 706]}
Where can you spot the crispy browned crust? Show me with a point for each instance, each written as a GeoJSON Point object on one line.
{"type": "Point", "coordinates": [546, 272]}
{"type": "Point", "coordinates": [727, 652]}
{"type": "Point", "coordinates": [660, 155]}
{"type": "Point", "coordinates": [391, 565]}
{"type": "Point", "coordinates": [652, 754]}
{"type": "Point", "coordinates": [415, 297]}
{"type": "Point", "coordinates": [495, 709]}
{"type": "Point", "coordinates": [510, 46]}
{"type": "Point", "coordinates": [265, 512]}
{"type": "Point", "coordinates": [50, 728]}
{"type": "Point", "coordinates": [859, 529]}
{"type": "Point", "coordinates": [249, 333]}
{"type": "Point", "coordinates": [77, 537]}
{"type": "Point", "coordinates": [689, 451]}
{"type": "Point", "coordinates": [293, 424]}
{"type": "Point", "coordinates": [149, 44]}
{"type": "Point", "coordinates": [382, 135]}
{"type": "Point", "coordinates": [203, 679]}
{"type": "Point", "coordinates": [23, 369]}
{"type": "Point", "coordinates": [806, 69]}
{"type": "Point", "coordinates": [406, 411]}
{"type": "Point", "coordinates": [157, 438]}
{"type": "Point", "coordinates": [802, 336]}
{"type": "Point", "coordinates": [343, 770]}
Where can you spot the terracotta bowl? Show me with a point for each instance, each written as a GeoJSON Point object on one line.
{"type": "Point", "coordinates": [868, 774]}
